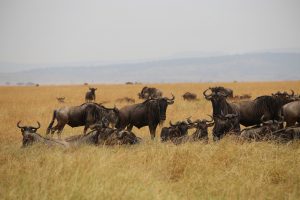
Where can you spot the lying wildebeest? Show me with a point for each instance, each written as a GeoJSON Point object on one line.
{"type": "Point", "coordinates": [61, 99]}
{"type": "Point", "coordinates": [111, 136]}
{"type": "Point", "coordinates": [291, 113]}
{"type": "Point", "coordinates": [30, 136]}
{"type": "Point", "coordinates": [125, 99]}
{"type": "Point", "coordinates": [83, 115]}
{"type": "Point", "coordinates": [178, 129]}
{"type": "Point", "coordinates": [224, 124]}
{"type": "Point", "coordinates": [201, 126]}
{"type": "Point", "coordinates": [105, 136]}
{"type": "Point", "coordinates": [189, 96]}
{"type": "Point", "coordinates": [90, 95]}
{"type": "Point", "coordinates": [149, 113]}
{"type": "Point", "coordinates": [262, 131]}
{"type": "Point", "coordinates": [148, 92]}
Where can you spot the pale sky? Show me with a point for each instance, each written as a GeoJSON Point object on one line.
{"type": "Point", "coordinates": [64, 31]}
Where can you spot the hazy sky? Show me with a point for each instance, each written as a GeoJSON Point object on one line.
{"type": "Point", "coordinates": [61, 31]}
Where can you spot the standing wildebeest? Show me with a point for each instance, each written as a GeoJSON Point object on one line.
{"type": "Point", "coordinates": [90, 95]}
{"type": "Point", "coordinates": [148, 92]}
{"type": "Point", "coordinates": [83, 115]}
{"type": "Point", "coordinates": [250, 112]}
{"type": "Point", "coordinates": [221, 109]}
{"type": "Point", "coordinates": [149, 113]}
{"type": "Point", "coordinates": [189, 96]}
{"type": "Point", "coordinates": [291, 113]}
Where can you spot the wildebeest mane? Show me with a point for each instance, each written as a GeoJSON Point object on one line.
{"type": "Point", "coordinates": [268, 103]}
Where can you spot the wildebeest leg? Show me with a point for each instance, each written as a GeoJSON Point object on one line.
{"type": "Point", "coordinates": [129, 127]}
{"type": "Point", "coordinates": [60, 129]}
{"type": "Point", "coordinates": [51, 123]}
{"type": "Point", "coordinates": [85, 129]}
{"type": "Point", "coordinates": [152, 129]}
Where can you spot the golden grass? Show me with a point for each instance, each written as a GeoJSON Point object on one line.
{"type": "Point", "coordinates": [224, 170]}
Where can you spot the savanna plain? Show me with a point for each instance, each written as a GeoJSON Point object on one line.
{"type": "Point", "coordinates": [228, 169]}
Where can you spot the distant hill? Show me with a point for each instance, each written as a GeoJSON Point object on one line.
{"type": "Point", "coordinates": [246, 67]}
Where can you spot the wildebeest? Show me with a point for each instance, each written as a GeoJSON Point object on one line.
{"type": "Point", "coordinates": [30, 136]}
{"type": "Point", "coordinates": [201, 126]}
{"type": "Point", "coordinates": [149, 113]}
{"type": "Point", "coordinates": [224, 124]}
{"type": "Point", "coordinates": [111, 136]}
{"type": "Point", "coordinates": [61, 99]}
{"type": "Point", "coordinates": [83, 115]}
{"type": "Point", "coordinates": [103, 136]}
{"type": "Point", "coordinates": [90, 95]}
{"type": "Point", "coordinates": [222, 111]}
{"type": "Point", "coordinates": [189, 96]}
{"type": "Point", "coordinates": [125, 99]}
{"type": "Point", "coordinates": [149, 92]}
{"type": "Point", "coordinates": [178, 129]}
{"type": "Point", "coordinates": [250, 112]}
{"type": "Point", "coordinates": [291, 113]}
{"type": "Point", "coordinates": [262, 131]}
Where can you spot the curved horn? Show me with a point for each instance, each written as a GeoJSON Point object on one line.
{"type": "Point", "coordinates": [211, 119]}
{"type": "Point", "coordinates": [170, 101]}
{"type": "Point", "coordinates": [39, 125]}
{"type": "Point", "coordinates": [292, 93]}
{"type": "Point", "coordinates": [171, 123]}
{"type": "Point", "coordinates": [205, 95]}
{"type": "Point", "coordinates": [189, 120]}
{"type": "Point", "coordinates": [18, 125]}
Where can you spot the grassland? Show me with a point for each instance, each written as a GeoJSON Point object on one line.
{"type": "Point", "coordinates": [224, 170]}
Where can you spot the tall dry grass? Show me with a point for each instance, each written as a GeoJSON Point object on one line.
{"type": "Point", "coordinates": [224, 170]}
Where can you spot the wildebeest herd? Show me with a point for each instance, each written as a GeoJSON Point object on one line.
{"type": "Point", "coordinates": [268, 117]}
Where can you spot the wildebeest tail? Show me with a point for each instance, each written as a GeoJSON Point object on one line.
{"type": "Point", "coordinates": [51, 123]}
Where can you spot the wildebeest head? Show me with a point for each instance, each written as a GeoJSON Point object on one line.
{"type": "Point", "coordinates": [26, 132]}
{"type": "Point", "coordinates": [285, 97]}
{"type": "Point", "coordinates": [178, 129]}
{"type": "Point", "coordinates": [201, 127]}
{"type": "Point", "coordinates": [160, 106]}
{"type": "Point", "coordinates": [92, 90]}
{"type": "Point", "coordinates": [182, 126]}
{"type": "Point", "coordinates": [224, 124]}
{"type": "Point", "coordinates": [218, 97]}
